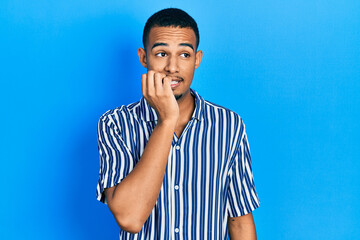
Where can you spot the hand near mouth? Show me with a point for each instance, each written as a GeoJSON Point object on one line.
{"type": "Point", "coordinates": [157, 90]}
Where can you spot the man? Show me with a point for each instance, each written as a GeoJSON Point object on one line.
{"type": "Point", "coordinates": [174, 166]}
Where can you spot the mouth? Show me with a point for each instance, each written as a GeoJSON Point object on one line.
{"type": "Point", "coordinates": [175, 82]}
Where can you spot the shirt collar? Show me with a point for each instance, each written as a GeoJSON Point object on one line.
{"type": "Point", "coordinates": [149, 114]}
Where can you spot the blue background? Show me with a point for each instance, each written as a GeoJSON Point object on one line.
{"type": "Point", "coordinates": [291, 69]}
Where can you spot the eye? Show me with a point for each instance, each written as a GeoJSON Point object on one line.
{"type": "Point", "coordinates": [185, 55]}
{"type": "Point", "coordinates": [161, 54]}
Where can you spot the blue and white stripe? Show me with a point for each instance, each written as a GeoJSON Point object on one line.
{"type": "Point", "coordinates": [208, 176]}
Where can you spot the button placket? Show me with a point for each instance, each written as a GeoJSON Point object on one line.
{"type": "Point", "coordinates": [176, 188]}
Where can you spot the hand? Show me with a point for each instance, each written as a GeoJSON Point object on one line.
{"type": "Point", "coordinates": [157, 91]}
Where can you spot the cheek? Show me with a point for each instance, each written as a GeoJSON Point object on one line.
{"type": "Point", "coordinates": [188, 69]}
{"type": "Point", "coordinates": [156, 64]}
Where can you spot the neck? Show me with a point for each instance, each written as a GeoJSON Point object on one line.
{"type": "Point", "coordinates": [186, 107]}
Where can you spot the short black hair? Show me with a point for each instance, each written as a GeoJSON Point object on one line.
{"type": "Point", "coordinates": [170, 17]}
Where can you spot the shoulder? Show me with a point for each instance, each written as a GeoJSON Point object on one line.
{"type": "Point", "coordinates": [121, 114]}
{"type": "Point", "coordinates": [227, 121]}
{"type": "Point", "coordinates": [221, 112]}
{"type": "Point", "coordinates": [217, 106]}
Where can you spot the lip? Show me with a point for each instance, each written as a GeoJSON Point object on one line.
{"type": "Point", "coordinates": [175, 83]}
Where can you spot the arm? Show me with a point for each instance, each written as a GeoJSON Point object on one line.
{"type": "Point", "coordinates": [242, 195]}
{"type": "Point", "coordinates": [242, 227]}
{"type": "Point", "coordinates": [132, 200]}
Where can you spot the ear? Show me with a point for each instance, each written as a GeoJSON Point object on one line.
{"type": "Point", "coordinates": [142, 57]}
{"type": "Point", "coordinates": [198, 58]}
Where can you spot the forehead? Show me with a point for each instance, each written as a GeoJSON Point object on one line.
{"type": "Point", "coordinates": [171, 35]}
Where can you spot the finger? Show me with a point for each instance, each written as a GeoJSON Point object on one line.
{"type": "Point", "coordinates": [167, 83]}
{"type": "Point", "coordinates": [158, 82]}
{"type": "Point", "coordinates": [143, 84]}
{"type": "Point", "coordinates": [150, 82]}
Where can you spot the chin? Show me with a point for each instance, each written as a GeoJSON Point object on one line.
{"type": "Point", "coordinates": [181, 95]}
{"type": "Point", "coordinates": [178, 96]}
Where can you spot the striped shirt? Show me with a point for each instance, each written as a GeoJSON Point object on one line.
{"type": "Point", "coordinates": [208, 176]}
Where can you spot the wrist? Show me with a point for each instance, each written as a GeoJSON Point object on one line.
{"type": "Point", "coordinates": [169, 123]}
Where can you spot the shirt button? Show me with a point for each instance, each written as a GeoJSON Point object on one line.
{"type": "Point", "coordinates": [177, 230]}
{"type": "Point", "coordinates": [176, 187]}
{"type": "Point", "coordinates": [177, 147]}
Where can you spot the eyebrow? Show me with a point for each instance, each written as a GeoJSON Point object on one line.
{"type": "Point", "coordinates": [165, 44]}
{"type": "Point", "coordinates": [187, 45]}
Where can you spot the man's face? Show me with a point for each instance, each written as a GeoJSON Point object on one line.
{"type": "Point", "coordinates": [172, 51]}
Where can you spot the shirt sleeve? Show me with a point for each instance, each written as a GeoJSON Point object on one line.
{"type": "Point", "coordinates": [116, 160]}
{"type": "Point", "coordinates": [242, 197]}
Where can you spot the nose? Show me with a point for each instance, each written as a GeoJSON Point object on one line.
{"type": "Point", "coordinates": [172, 65]}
